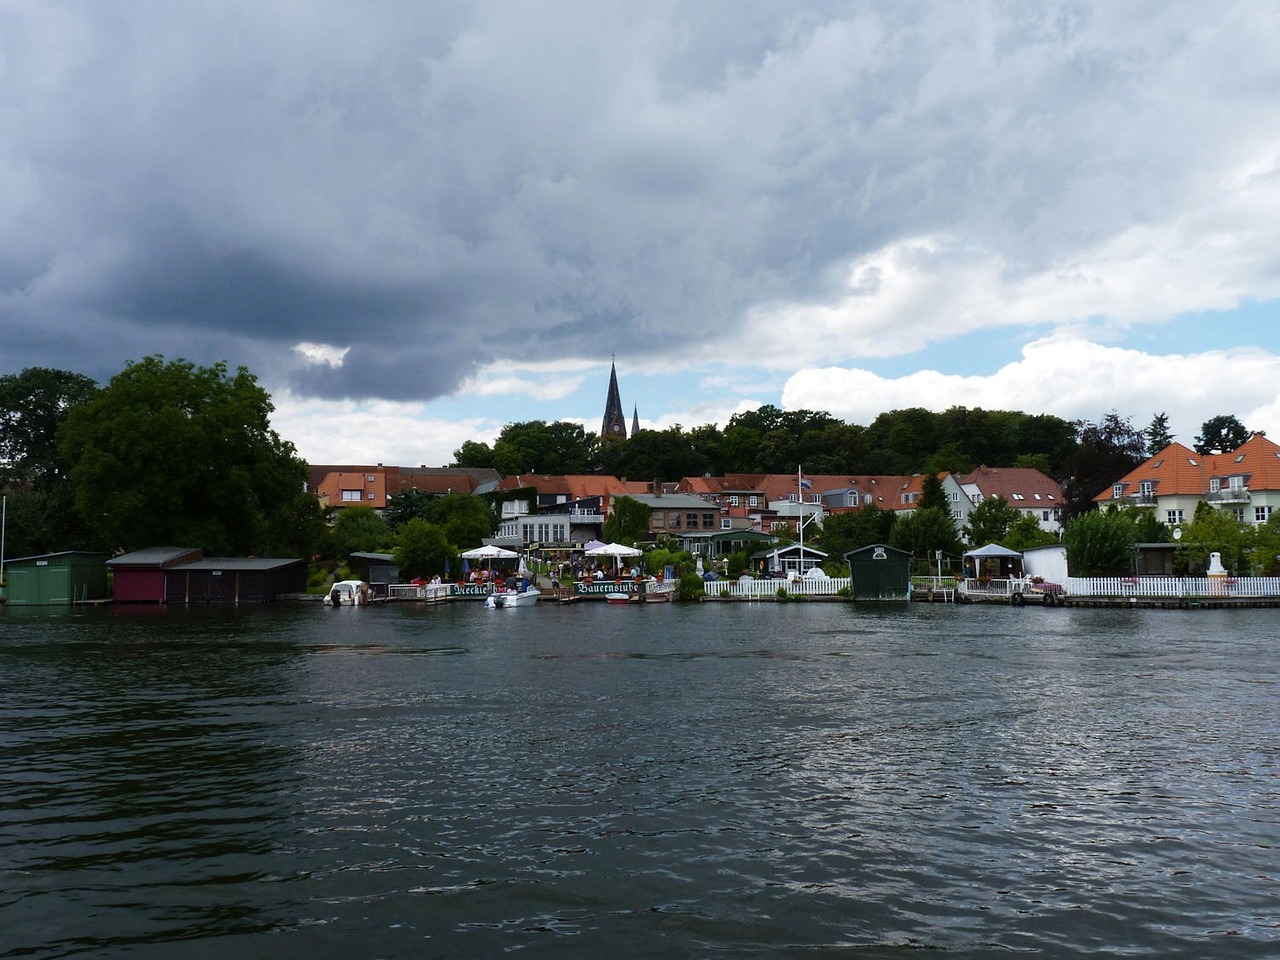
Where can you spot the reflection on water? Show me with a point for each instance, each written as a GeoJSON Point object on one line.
{"type": "Point", "coordinates": [742, 780]}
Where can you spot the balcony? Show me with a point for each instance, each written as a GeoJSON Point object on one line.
{"type": "Point", "coordinates": [1136, 500]}
{"type": "Point", "coordinates": [1228, 495]}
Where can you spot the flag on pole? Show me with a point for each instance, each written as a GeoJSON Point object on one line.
{"type": "Point", "coordinates": [804, 481]}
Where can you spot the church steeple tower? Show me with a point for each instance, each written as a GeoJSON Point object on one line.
{"type": "Point", "coordinates": [614, 423]}
{"type": "Point", "coordinates": [635, 420]}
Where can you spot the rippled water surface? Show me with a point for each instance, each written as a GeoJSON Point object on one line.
{"type": "Point", "coordinates": [717, 780]}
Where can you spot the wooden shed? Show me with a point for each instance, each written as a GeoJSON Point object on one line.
{"type": "Point", "coordinates": [879, 572]}
{"type": "Point", "coordinates": [234, 580]}
{"type": "Point", "coordinates": [380, 571]}
{"type": "Point", "coordinates": [57, 579]}
{"type": "Point", "coordinates": [138, 577]}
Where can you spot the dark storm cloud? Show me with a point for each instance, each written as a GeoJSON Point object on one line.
{"type": "Point", "coordinates": [414, 183]}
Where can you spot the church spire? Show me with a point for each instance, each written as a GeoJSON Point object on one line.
{"type": "Point", "coordinates": [635, 420]}
{"type": "Point", "coordinates": [614, 423]}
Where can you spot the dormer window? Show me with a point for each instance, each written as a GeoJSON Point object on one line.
{"type": "Point", "coordinates": [1215, 485]}
{"type": "Point", "coordinates": [1117, 491]}
{"type": "Point", "coordinates": [1146, 488]}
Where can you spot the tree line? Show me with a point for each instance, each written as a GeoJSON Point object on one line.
{"type": "Point", "coordinates": [168, 452]}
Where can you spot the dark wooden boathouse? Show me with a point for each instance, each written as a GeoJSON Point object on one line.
{"type": "Point", "coordinates": [234, 580]}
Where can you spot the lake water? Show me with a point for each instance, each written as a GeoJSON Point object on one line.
{"type": "Point", "coordinates": [714, 780]}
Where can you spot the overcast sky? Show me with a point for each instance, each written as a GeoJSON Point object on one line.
{"type": "Point", "coordinates": [417, 221]}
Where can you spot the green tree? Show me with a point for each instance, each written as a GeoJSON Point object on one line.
{"type": "Point", "coordinates": [923, 532]}
{"type": "Point", "coordinates": [465, 519]}
{"type": "Point", "coordinates": [536, 446]}
{"type": "Point", "coordinates": [1105, 452]}
{"type": "Point", "coordinates": [33, 405]}
{"type": "Point", "coordinates": [846, 532]}
{"type": "Point", "coordinates": [1221, 434]}
{"type": "Point", "coordinates": [1026, 533]}
{"type": "Point", "coordinates": [1215, 531]}
{"type": "Point", "coordinates": [628, 521]}
{"type": "Point", "coordinates": [1158, 435]}
{"type": "Point", "coordinates": [360, 529]}
{"type": "Point", "coordinates": [172, 453]}
{"type": "Point", "coordinates": [1265, 559]}
{"type": "Point", "coordinates": [932, 496]}
{"type": "Point", "coordinates": [407, 505]}
{"type": "Point", "coordinates": [1101, 543]}
{"type": "Point", "coordinates": [990, 521]}
{"type": "Point", "coordinates": [423, 550]}
{"type": "Point", "coordinates": [473, 453]}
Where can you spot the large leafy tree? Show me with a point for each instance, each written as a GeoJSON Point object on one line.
{"type": "Point", "coordinates": [423, 550]}
{"type": "Point", "coordinates": [1101, 543]}
{"type": "Point", "coordinates": [1105, 452]}
{"type": "Point", "coordinates": [360, 529]}
{"type": "Point", "coordinates": [535, 446]}
{"type": "Point", "coordinates": [844, 532]}
{"type": "Point", "coordinates": [33, 405]}
{"type": "Point", "coordinates": [1026, 533]}
{"type": "Point", "coordinates": [924, 531]}
{"type": "Point", "coordinates": [1221, 434]}
{"type": "Point", "coordinates": [173, 453]}
{"type": "Point", "coordinates": [473, 453]}
{"type": "Point", "coordinates": [990, 521]}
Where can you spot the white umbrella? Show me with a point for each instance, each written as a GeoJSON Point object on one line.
{"type": "Point", "coordinates": [615, 550]}
{"type": "Point", "coordinates": [489, 553]}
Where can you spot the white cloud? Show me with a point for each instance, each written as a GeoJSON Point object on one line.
{"type": "Point", "coordinates": [403, 434]}
{"type": "Point", "coordinates": [1070, 377]}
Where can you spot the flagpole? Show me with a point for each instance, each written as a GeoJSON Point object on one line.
{"type": "Point", "coordinates": [800, 497]}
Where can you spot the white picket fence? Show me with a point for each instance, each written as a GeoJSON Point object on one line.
{"type": "Point", "coordinates": [1172, 587]}
{"type": "Point", "coordinates": [768, 589]}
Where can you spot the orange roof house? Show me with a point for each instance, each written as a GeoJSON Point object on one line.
{"type": "Point", "coordinates": [1245, 481]}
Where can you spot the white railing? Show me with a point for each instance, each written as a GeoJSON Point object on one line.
{"type": "Point", "coordinates": [430, 592]}
{"type": "Point", "coordinates": [768, 589]}
{"type": "Point", "coordinates": [1173, 587]}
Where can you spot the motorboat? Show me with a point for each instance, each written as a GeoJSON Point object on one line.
{"type": "Point", "coordinates": [513, 598]}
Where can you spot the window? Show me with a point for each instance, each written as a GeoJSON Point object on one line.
{"type": "Point", "coordinates": [1146, 488]}
{"type": "Point", "coordinates": [350, 495]}
{"type": "Point", "coordinates": [691, 521]}
{"type": "Point", "coordinates": [675, 521]}
{"type": "Point", "coordinates": [726, 523]}
{"type": "Point", "coordinates": [371, 478]}
{"type": "Point", "coordinates": [954, 497]}
{"type": "Point", "coordinates": [1215, 485]}
{"type": "Point", "coordinates": [659, 520]}
{"type": "Point", "coordinates": [1117, 491]}
{"type": "Point", "coordinates": [709, 521]}
{"type": "Point", "coordinates": [1236, 483]}
{"type": "Point", "coordinates": [791, 497]}
{"type": "Point", "coordinates": [371, 494]}
{"type": "Point", "coordinates": [733, 500]}
{"type": "Point", "coordinates": [753, 501]}
{"type": "Point", "coordinates": [1044, 515]}
{"type": "Point", "coordinates": [1261, 514]}
{"type": "Point", "coordinates": [1173, 516]}
{"type": "Point", "coordinates": [1239, 514]}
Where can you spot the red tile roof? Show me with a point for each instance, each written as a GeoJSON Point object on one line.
{"type": "Point", "coordinates": [1179, 470]}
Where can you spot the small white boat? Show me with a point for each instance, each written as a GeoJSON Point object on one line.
{"type": "Point", "coordinates": [513, 598]}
